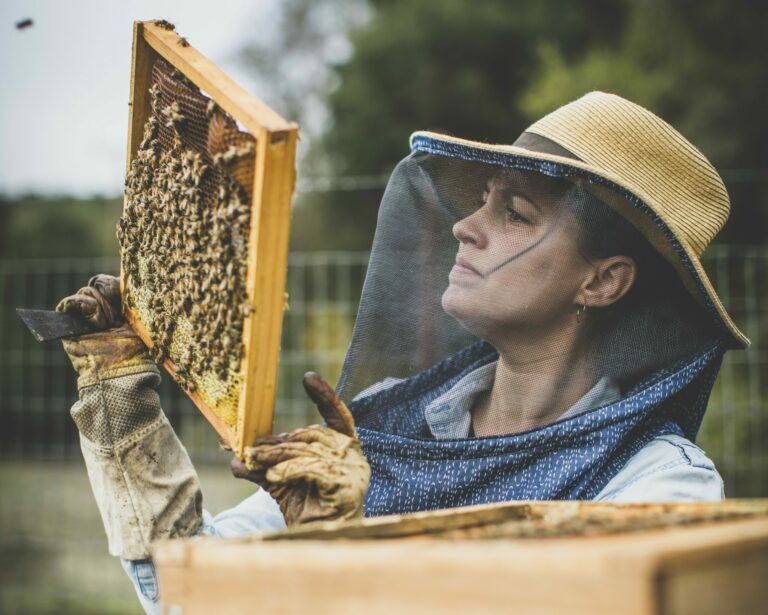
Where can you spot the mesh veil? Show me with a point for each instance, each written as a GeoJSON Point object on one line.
{"type": "Point", "coordinates": [467, 251]}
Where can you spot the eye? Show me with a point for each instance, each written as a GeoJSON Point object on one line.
{"type": "Point", "coordinates": [514, 216]}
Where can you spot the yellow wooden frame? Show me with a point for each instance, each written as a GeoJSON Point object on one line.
{"type": "Point", "coordinates": [274, 179]}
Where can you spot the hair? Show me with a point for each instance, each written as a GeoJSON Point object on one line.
{"type": "Point", "coordinates": [656, 322]}
{"type": "Point", "coordinates": [604, 233]}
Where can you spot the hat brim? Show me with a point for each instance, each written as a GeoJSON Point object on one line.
{"type": "Point", "coordinates": [638, 208]}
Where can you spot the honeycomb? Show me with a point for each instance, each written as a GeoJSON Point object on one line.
{"type": "Point", "coordinates": [184, 237]}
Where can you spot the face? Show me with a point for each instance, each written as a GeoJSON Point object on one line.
{"type": "Point", "coordinates": [518, 266]}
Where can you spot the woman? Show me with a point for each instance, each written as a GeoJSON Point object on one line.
{"type": "Point", "coordinates": [570, 355]}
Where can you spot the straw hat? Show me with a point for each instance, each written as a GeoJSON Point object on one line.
{"type": "Point", "coordinates": [634, 162]}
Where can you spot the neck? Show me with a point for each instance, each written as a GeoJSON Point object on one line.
{"type": "Point", "coordinates": [535, 383]}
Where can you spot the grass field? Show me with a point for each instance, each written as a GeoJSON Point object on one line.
{"type": "Point", "coordinates": [53, 551]}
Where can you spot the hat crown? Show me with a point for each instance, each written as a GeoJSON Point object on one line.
{"type": "Point", "coordinates": [647, 156]}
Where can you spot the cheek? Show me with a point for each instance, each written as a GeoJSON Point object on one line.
{"type": "Point", "coordinates": [537, 288]}
{"type": "Point", "coordinates": [545, 279]}
{"type": "Point", "coordinates": [515, 295]}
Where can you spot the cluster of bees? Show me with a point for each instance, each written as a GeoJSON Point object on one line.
{"type": "Point", "coordinates": [184, 242]}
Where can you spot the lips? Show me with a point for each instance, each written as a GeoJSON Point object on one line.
{"type": "Point", "coordinates": [464, 266]}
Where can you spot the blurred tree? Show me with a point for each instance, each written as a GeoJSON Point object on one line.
{"type": "Point", "coordinates": [451, 66]}
{"type": "Point", "coordinates": [485, 70]}
{"type": "Point", "coordinates": [293, 59]}
{"type": "Point", "coordinates": [700, 65]}
{"type": "Point", "coordinates": [51, 227]}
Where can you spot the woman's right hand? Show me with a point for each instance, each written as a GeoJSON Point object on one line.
{"type": "Point", "coordinates": [98, 303]}
{"type": "Point", "coordinates": [113, 346]}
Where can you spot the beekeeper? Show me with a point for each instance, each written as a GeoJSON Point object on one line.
{"type": "Point", "coordinates": [535, 324]}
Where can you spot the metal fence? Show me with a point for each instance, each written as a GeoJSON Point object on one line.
{"type": "Point", "coordinates": [53, 552]}
{"type": "Point", "coordinates": [37, 385]}
{"type": "Point", "coordinates": [735, 428]}
{"type": "Point", "coordinates": [49, 525]}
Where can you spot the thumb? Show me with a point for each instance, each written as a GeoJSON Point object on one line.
{"type": "Point", "coordinates": [109, 288]}
{"type": "Point", "coordinates": [329, 404]}
{"type": "Point", "coordinates": [240, 469]}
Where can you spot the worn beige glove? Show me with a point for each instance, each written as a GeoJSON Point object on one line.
{"type": "Point", "coordinates": [315, 473]}
{"type": "Point", "coordinates": [142, 478]}
{"type": "Point", "coordinates": [98, 303]}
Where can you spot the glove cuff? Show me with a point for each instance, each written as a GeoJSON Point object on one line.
{"type": "Point", "coordinates": [140, 366]}
{"type": "Point", "coordinates": [107, 354]}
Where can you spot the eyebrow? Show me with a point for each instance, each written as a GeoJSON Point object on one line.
{"type": "Point", "coordinates": [516, 191]}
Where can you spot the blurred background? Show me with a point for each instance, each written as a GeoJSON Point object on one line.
{"type": "Point", "coordinates": [359, 76]}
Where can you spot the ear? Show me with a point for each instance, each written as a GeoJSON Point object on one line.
{"type": "Point", "coordinates": [611, 279]}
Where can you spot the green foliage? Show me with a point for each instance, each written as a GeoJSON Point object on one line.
{"type": "Point", "coordinates": [600, 69]}
{"type": "Point", "coordinates": [486, 70]}
{"type": "Point", "coordinates": [452, 66]}
{"type": "Point", "coordinates": [49, 227]}
{"type": "Point", "coordinates": [698, 64]}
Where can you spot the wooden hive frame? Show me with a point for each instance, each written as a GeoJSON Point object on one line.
{"type": "Point", "coordinates": [274, 180]}
{"type": "Point", "coordinates": [648, 560]}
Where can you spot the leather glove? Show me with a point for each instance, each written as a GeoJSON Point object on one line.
{"type": "Point", "coordinates": [142, 478]}
{"type": "Point", "coordinates": [113, 349]}
{"type": "Point", "coordinates": [315, 473]}
{"type": "Point", "coordinates": [98, 303]}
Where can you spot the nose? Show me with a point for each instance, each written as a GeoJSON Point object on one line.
{"type": "Point", "coordinates": [468, 230]}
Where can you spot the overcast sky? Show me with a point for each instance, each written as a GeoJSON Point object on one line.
{"type": "Point", "coordinates": [65, 83]}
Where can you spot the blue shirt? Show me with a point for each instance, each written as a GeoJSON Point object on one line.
{"type": "Point", "coordinates": [669, 468]}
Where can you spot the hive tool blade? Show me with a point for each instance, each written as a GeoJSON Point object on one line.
{"type": "Point", "coordinates": [49, 325]}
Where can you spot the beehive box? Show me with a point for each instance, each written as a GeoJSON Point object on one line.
{"type": "Point", "coordinates": [521, 557]}
{"type": "Point", "coordinates": [204, 231]}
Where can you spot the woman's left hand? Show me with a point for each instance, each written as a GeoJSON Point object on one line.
{"type": "Point", "coordinates": [315, 473]}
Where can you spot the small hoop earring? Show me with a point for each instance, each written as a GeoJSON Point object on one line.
{"type": "Point", "coordinates": [580, 312]}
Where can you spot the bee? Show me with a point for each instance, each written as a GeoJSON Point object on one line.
{"type": "Point", "coordinates": [164, 24]}
{"type": "Point", "coordinates": [194, 267]}
{"type": "Point", "coordinates": [158, 354]}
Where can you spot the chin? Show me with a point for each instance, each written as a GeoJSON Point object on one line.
{"type": "Point", "coordinates": [466, 308]}
{"type": "Point", "coordinates": [452, 301]}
